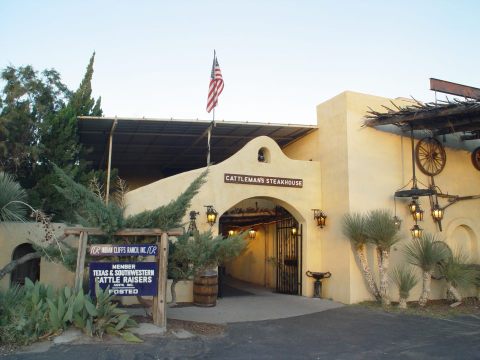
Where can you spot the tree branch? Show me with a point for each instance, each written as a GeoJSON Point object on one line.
{"type": "Point", "coordinates": [14, 263]}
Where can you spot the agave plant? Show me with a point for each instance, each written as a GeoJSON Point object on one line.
{"type": "Point", "coordinates": [381, 230]}
{"type": "Point", "coordinates": [458, 273]}
{"type": "Point", "coordinates": [426, 252]}
{"type": "Point", "coordinates": [405, 279]}
{"type": "Point", "coordinates": [12, 199]}
{"type": "Point", "coordinates": [353, 226]}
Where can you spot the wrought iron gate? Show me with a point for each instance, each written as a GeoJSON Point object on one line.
{"type": "Point", "coordinates": [289, 256]}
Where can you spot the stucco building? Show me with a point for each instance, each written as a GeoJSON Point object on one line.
{"type": "Point", "coordinates": [271, 184]}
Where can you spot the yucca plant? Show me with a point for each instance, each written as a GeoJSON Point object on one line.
{"type": "Point", "coordinates": [353, 227]}
{"type": "Point", "coordinates": [457, 273]}
{"type": "Point", "coordinates": [12, 199]}
{"type": "Point", "coordinates": [426, 252]}
{"type": "Point", "coordinates": [382, 231]}
{"type": "Point", "coordinates": [405, 279]}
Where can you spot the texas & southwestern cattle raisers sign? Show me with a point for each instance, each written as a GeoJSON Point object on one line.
{"type": "Point", "coordinates": [125, 278]}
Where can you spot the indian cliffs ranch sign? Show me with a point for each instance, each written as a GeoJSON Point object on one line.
{"type": "Point", "coordinates": [262, 180]}
{"type": "Point", "coordinates": [123, 250]}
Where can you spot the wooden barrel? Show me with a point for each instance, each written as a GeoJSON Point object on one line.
{"type": "Point", "coordinates": [205, 289]}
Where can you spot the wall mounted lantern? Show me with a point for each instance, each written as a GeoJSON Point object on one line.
{"type": "Point", "coordinates": [231, 232]}
{"type": "Point", "coordinates": [294, 230]}
{"type": "Point", "coordinates": [320, 217]}
{"type": "Point", "coordinates": [211, 214]}
{"type": "Point", "coordinates": [252, 234]}
{"type": "Point", "coordinates": [192, 226]}
{"type": "Point", "coordinates": [416, 231]}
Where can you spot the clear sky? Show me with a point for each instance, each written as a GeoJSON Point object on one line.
{"type": "Point", "coordinates": [279, 59]}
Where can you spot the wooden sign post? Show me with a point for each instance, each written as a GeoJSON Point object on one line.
{"type": "Point", "coordinates": [159, 301]}
{"type": "Point", "coordinates": [81, 251]}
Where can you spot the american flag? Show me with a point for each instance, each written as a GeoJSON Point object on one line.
{"type": "Point", "coordinates": [216, 85]}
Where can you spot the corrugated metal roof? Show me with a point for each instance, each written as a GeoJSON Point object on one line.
{"type": "Point", "coordinates": [172, 145]}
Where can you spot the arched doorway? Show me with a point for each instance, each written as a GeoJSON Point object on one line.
{"type": "Point", "coordinates": [273, 258]}
{"type": "Point", "coordinates": [29, 269]}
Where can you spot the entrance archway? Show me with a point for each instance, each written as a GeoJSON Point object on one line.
{"type": "Point", "coordinates": [273, 258]}
{"type": "Point", "coordinates": [29, 269]}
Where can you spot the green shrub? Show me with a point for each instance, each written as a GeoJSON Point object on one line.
{"type": "Point", "coordinates": [36, 311]}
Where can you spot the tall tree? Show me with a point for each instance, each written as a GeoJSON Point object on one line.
{"type": "Point", "coordinates": [27, 100]}
{"type": "Point", "coordinates": [60, 145]}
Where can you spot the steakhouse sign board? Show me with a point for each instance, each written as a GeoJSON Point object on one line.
{"type": "Point", "coordinates": [262, 180]}
{"type": "Point", "coordinates": [125, 278]}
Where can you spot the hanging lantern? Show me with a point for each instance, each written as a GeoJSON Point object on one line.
{"type": "Point", "coordinates": [231, 232]}
{"type": "Point", "coordinates": [252, 233]}
{"type": "Point", "coordinates": [437, 213]}
{"type": "Point", "coordinates": [416, 231]}
{"type": "Point", "coordinates": [413, 206]}
{"type": "Point", "coordinates": [418, 214]}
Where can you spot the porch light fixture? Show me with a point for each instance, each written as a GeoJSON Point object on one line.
{"type": "Point", "coordinates": [294, 230]}
{"type": "Point", "coordinates": [192, 226]}
{"type": "Point", "coordinates": [211, 214]}
{"type": "Point", "coordinates": [437, 213]}
{"type": "Point", "coordinates": [231, 232]}
{"type": "Point", "coordinates": [320, 217]}
{"type": "Point", "coordinates": [416, 231]}
{"type": "Point", "coordinates": [397, 221]}
{"type": "Point", "coordinates": [252, 233]}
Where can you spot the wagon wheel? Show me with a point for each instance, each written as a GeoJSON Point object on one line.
{"type": "Point", "coordinates": [430, 156]}
{"type": "Point", "coordinates": [476, 158]}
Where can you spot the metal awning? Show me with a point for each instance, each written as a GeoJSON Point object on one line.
{"type": "Point", "coordinates": [173, 146]}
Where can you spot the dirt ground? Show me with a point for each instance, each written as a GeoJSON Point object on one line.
{"type": "Point", "coordinates": [434, 308]}
{"type": "Point", "coordinates": [196, 328]}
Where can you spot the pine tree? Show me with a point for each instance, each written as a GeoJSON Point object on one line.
{"type": "Point", "coordinates": [60, 144]}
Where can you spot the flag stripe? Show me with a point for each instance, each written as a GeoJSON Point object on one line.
{"type": "Point", "coordinates": [216, 85]}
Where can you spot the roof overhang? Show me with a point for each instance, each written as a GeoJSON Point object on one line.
{"type": "Point", "coordinates": [173, 146]}
{"type": "Point", "coordinates": [457, 116]}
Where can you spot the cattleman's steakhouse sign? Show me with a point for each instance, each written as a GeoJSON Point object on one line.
{"type": "Point", "coordinates": [262, 180]}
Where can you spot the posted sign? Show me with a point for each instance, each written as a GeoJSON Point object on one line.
{"type": "Point", "coordinates": [125, 278]}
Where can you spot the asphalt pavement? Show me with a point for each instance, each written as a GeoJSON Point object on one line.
{"type": "Point", "coordinates": [350, 332]}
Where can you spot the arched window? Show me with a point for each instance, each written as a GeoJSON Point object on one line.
{"type": "Point", "coordinates": [263, 155]}
{"type": "Point", "coordinates": [30, 269]}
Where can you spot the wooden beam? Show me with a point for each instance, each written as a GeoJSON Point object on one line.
{"type": "Point", "coordinates": [451, 88]}
{"type": "Point", "coordinates": [123, 232]}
